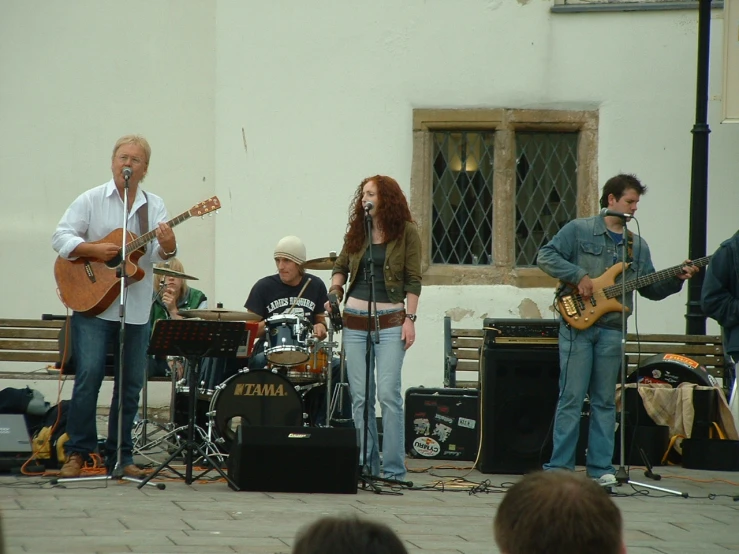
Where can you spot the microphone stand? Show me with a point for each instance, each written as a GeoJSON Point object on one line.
{"type": "Point", "coordinates": [141, 441]}
{"type": "Point", "coordinates": [622, 474]}
{"type": "Point", "coordinates": [366, 477]}
{"type": "Point", "coordinates": [117, 472]}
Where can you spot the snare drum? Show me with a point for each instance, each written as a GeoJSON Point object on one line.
{"type": "Point", "coordinates": [312, 371]}
{"type": "Point", "coordinates": [286, 339]}
{"type": "Point", "coordinates": [260, 397]}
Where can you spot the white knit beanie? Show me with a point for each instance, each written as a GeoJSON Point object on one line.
{"type": "Point", "coordinates": [292, 248]}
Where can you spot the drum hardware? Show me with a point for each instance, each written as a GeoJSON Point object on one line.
{"type": "Point", "coordinates": [172, 273]}
{"type": "Point", "coordinates": [220, 314]}
{"type": "Point", "coordinates": [335, 391]}
{"type": "Point", "coordinates": [194, 340]}
{"type": "Point", "coordinates": [321, 263]}
{"type": "Point", "coordinates": [139, 432]}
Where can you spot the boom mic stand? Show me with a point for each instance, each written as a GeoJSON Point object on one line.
{"type": "Point", "coordinates": [622, 474]}
{"type": "Point", "coordinates": [121, 273]}
{"type": "Point", "coordinates": [366, 477]}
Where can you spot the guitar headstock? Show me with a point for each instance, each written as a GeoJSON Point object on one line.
{"type": "Point", "coordinates": [206, 207]}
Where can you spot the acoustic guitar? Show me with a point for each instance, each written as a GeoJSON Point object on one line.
{"type": "Point", "coordinates": [581, 313]}
{"type": "Point", "coordinates": [90, 286]}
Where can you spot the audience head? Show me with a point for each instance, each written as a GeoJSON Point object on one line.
{"type": "Point", "coordinates": [558, 512]}
{"type": "Point", "coordinates": [334, 535]}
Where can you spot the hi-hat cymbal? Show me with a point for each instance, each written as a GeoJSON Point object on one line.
{"type": "Point", "coordinates": [320, 263]}
{"type": "Point", "coordinates": [172, 273]}
{"type": "Point", "coordinates": [220, 314]}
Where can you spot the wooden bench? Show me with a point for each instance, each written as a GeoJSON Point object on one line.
{"type": "Point", "coordinates": [463, 353]}
{"type": "Point", "coordinates": [29, 340]}
{"type": "Point", "coordinates": [40, 341]}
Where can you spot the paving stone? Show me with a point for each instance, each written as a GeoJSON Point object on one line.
{"type": "Point", "coordinates": [112, 517]}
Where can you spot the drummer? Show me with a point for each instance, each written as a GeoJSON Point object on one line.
{"type": "Point", "coordinates": [276, 294]}
{"type": "Point", "coordinates": [171, 294]}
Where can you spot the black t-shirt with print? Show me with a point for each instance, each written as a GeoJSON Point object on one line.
{"type": "Point", "coordinates": [270, 296]}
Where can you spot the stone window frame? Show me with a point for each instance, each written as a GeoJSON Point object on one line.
{"type": "Point", "coordinates": [505, 122]}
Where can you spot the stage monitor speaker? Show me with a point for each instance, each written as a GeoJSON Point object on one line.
{"type": "Point", "coordinates": [295, 459]}
{"type": "Point", "coordinates": [15, 444]}
{"type": "Point", "coordinates": [520, 387]}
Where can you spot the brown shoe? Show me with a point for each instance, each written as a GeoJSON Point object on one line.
{"type": "Point", "coordinates": [132, 470]}
{"type": "Point", "coordinates": [73, 466]}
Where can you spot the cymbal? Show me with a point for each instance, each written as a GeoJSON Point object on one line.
{"type": "Point", "coordinates": [220, 314]}
{"type": "Point", "coordinates": [172, 273]}
{"type": "Point", "coordinates": [320, 263]}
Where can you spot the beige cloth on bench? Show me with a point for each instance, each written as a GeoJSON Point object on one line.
{"type": "Point", "coordinates": [673, 407]}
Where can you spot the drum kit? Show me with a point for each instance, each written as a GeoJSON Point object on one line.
{"type": "Point", "coordinates": [296, 363]}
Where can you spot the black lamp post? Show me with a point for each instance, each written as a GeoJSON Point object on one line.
{"type": "Point", "coordinates": [695, 318]}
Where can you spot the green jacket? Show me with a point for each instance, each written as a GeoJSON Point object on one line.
{"type": "Point", "coordinates": [402, 271]}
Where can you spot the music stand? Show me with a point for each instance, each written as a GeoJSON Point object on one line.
{"type": "Point", "coordinates": [194, 339]}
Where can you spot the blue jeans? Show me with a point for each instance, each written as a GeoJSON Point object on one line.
{"type": "Point", "coordinates": [590, 362]}
{"type": "Point", "coordinates": [90, 338]}
{"type": "Point", "coordinates": [387, 358]}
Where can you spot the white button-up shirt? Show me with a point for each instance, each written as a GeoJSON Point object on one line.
{"type": "Point", "coordinates": [95, 214]}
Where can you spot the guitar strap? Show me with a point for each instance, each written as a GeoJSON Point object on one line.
{"type": "Point", "coordinates": [143, 214]}
{"type": "Point", "coordinates": [629, 246]}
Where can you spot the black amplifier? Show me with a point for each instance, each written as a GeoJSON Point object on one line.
{"type": "Point", "coordinates": [442, 424]}
{"type": "Point", "coordinates": [521, 331]}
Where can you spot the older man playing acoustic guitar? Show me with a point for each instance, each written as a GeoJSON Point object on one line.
{"type": "Point", "coordinates": [85, 233]}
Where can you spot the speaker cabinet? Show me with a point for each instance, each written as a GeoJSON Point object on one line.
{"type": "Point", "coordinates": [520, 387]}
{"type": "Point", "coordinates": [295, 459]}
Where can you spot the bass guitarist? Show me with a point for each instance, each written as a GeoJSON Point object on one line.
{"type": "Point", "coordinates": [590, 359]}
{"type": "Point", "coordinates": [91, 217]}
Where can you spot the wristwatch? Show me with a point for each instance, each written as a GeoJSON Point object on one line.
{"type": "Point", "coordinates": [412, 317]}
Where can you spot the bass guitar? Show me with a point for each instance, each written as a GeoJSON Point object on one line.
{"type": "Point", "coordinates": [90, 286]}
{"type": "Point", "coordinates": [581, 313]}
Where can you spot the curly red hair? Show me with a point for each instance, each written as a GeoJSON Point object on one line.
{"type": "Point", "coordinates": [391, 216]}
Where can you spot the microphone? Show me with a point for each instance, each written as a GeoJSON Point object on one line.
{"type": "Point", "coordinates": [368, 206]}
{"type": "Point", "coordinates": [127, 173]}
{"type": "Point", "coordinates": [606, 211]}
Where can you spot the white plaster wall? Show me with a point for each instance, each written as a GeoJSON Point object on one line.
{"type": "Point", "coordinates": [324, 92]}
{"type": "Point", "coordinates": [75, 76]}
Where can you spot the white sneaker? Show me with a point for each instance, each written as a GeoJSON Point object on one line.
{"type": "Point", "coordinates": [607, 480]}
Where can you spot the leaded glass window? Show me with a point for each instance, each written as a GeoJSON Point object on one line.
{"type": "Point", "coordinates": [546, 189]}
{"type": "Point", "coordinates": [462, 192]}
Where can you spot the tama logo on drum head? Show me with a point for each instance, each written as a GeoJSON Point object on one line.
{"type": "Point", "coordinates": [256, 389]}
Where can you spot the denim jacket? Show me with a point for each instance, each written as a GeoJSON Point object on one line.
{"type": "Point", "coordinates": [584, 247]}
{"type": "Point", "coordinates": [720, 294]}
{"type": "Point", "coordinates": [402, 271]}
